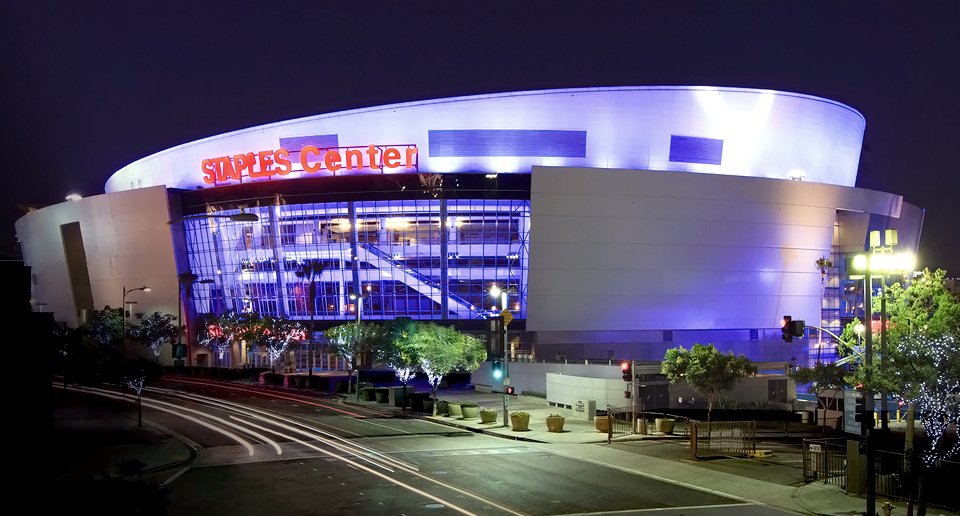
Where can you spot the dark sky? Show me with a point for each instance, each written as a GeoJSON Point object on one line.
{"type": "Point", "coordinates": [88, 87]}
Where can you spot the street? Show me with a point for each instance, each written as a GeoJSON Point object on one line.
{"type": "Point", "coordinates": [259, 450]}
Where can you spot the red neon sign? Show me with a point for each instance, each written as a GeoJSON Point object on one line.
{"type": "Point", "coordinates": [269, 163]}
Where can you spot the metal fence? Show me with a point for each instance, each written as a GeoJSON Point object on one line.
{"type": "Point", "coordinates": [825, 460]}
{"type": "Point", "coordinates": [622, 423]}
{"type": "Point", "coordinates": [722, 439]}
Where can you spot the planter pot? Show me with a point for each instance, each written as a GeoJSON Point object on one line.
{"type": "Point", "coordinates": [664, 425]}
{"type": "Point", "coordinates": [427, 406]}
{"type": "Point", "coordinates": [454, 410]}
{"type": "Point", "coordinates": [488, 416]}
{"type": "Point", "coordinates": [519, 421]}
{"type": "Point", "coordinates": [555, 424]}
{"type": "Point", "coordinates": [368, 394]}
{"type": "Point", "coordinates": [602, 423]}
{"type": "Point", "coordinates": [382, 395]}
{"type": "Point", "coordinates": [299, 381]}
{"type": "Point", "coordinates": [442, 407]}
{"type": "Point", "coordinates": [470, 412]}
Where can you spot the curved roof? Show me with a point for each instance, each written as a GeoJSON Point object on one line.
{"type": "Point", "coordinates": [714, 130]}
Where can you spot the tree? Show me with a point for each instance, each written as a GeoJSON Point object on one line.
{"type": "Point", "coordinates": [275, 334]}
{"type": "Point", "coordinates": [215, 333]}
{"type": "Point", "coordinates": [396, 348]}
{"type": "Point", "coordinates": [352, 340]}
{"type": "Point", "coordinates": [921, 362]}
{"type": "Point", "coordinates": [706, 370]}
{"type": "Point", "coordinates": [823, 265]}
{"type": "Point", "coordinates": [311, 269]}
{"type": "Point", "coordinates": [105, 326]}
{"type": "Point", "coordinates": [821, 378]}
{"type": "Point", "coordinates": [444, 349]}
{"type": "Point", "coordinates": [155, 331]}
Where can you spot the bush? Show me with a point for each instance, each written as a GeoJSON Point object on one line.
{"type": "Point", "coordinates": [468, 405]}
{"type": "Point", "coordinates": [724, 402]}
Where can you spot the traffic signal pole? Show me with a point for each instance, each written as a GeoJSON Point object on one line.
{"type": "Point", "coordinates": [633, 398]}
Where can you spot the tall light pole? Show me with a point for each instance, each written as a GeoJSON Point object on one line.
{"type": "Point", "coordinates": [869, 264]}
{"type": "Point", "coordinates": [123, 316]}
{"type": "Point", "coordinates": [186, 281]}
{"type": "Point", "coordinates": [359, 299]}
{"type": "Point", "coordinates": [505, 319]}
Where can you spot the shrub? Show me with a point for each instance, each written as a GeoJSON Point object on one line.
{"type": "Point", "coordinates": [554, 415]}
{"type": "Point", "coordinates": [724, 402]}
{"type": "Point", "coordinates": [468, 405]}
{"type": "Point", "coordinates": [520, 414]}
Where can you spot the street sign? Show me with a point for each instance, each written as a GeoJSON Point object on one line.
{"type": "Point", "coordinates": [507, 317]}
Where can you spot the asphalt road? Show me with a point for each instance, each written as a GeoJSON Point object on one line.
{"type": "Point", "coordinates": [261, 452]}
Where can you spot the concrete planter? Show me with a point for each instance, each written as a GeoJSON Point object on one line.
{"type": "Point", "coordinates": [602, 423]}
{"type": "Point", "coordinates": [555, 423]}
{"type": "Point", "coordinates": [488, 415]}
{"type": "Point", "coordinates": [664, 425]}
{"type": "Point", "coordinates": [519, 421]}
{"type": "Point", "coordinates": [469, 412]}
{"type": "Point", "coordinates": [454, 409]}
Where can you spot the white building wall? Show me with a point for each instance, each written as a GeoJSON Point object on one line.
{"type": "Point", "coordinates": [765, 133]}
{"type": "Point", "coordinates": [127, 242]}
{"type": "Point", "coordinates": [641, 250]}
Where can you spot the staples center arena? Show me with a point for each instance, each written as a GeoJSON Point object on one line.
{"type": "Point", "coordinates": [620, 221]}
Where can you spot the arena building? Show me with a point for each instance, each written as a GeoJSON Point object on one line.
{"type": "Point", "coordinates": [621, 221]}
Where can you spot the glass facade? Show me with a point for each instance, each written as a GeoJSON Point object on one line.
{"type": "Point", "coordinates": [424, 259]}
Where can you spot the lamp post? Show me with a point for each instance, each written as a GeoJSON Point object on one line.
{"type": "Point", "coordinates": [505, 318]}
{"type": "Point", "coordinates": [869, 264]}
{"type": "Point", "coordinates": [186, 281]}
{"type": "Point", "coordinates": [123, 316]}
{"type": "Point", "coordinates": [359, 299]}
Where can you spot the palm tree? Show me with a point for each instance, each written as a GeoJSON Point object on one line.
{"type": "Point", "coordinates": [311, 269]}
{"type": "Point", "coordinates": [823, 263]}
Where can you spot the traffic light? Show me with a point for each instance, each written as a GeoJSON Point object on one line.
{"type": "Point", "coordinates": [797, 328]}
{"type": "Point", "coordinates": [509, 390]}
{"type": "Point", "coordinates": [627, 369]}
{"type": "Point", "coordinates": [787, 333]}
{"type": "Point", "coordinates": [626, 394]}
{"type": "Point", "coordinates": [497, 369]}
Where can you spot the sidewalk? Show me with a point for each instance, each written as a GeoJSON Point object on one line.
{"type": "Point", "coordinates": [794, 495]}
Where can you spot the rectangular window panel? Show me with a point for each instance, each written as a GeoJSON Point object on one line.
{"type": "Point", "coordinates": [507, 142]}
{"type": "Point", "coordinates": [692, 149]}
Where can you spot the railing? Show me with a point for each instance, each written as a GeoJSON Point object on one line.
{"type": "Point", "coordinates": [622, 423]}
{"type": "Point", "coordinates": [825, 460]}
{"type": "Point", "coordinates": [722, 439]}
{"type": "Point", "coordinates": [476, 313]}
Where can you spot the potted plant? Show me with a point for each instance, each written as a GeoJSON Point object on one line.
{"type": "Point", "coordinates": [442, 407]}
{"type": "Point", "coordinates": [453, 408]}
{"type": "Point", "coordinates": [427, 404]}
{"type": "Point", "coordinates": [555, 423]}
{"type": "Point", "coordinates": [469, 410]}
{"type": "Point", "coordinates": [488, 415]}
{"type": "Point", "coordinates": [382, 395]}
{"type": "Point", "coordinates": [520, 421]}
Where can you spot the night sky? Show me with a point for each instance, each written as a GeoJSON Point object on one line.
{"type": "Point", "coordinates": [88, 87]}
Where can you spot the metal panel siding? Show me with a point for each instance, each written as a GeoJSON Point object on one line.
{"type": "Point", "coordinates": [507, 142]}
{"type": "Point", "coordinates": [691, 149]}
{"type": "Point", "coordinates": [295, 143]}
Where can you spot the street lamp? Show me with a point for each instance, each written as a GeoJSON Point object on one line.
{"type": "Point", "coordinates": [359, 299]}
{"type": "Point", "coordinates": [123, 316]}
{"type": "Point", "coordinates": [505, 318]}
{"type": "Point", "coordinates": [880, 263]}
{"type": "Point", "coordinates": [186, 281]}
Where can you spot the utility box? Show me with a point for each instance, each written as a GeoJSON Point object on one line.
{"type": "Point", "coordinates": [856, 468]}
{"type": "Point", "coordinates": [585, 409]}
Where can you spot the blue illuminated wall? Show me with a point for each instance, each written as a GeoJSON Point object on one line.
{"type": "Point", "coordinates": [425, 259]}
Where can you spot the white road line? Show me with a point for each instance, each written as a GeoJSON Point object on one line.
{"type": "Point", "coordinates": [658, 509]}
